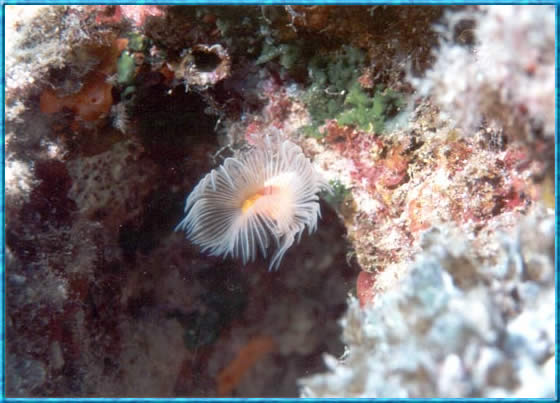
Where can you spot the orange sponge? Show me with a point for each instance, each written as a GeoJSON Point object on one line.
{"type": "Point", "coordinates": [93, 101]}
{"type": "Point", "coordinates": [230, 376]}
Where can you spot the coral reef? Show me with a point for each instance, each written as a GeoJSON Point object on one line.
{"type": "Point", "coordinates": [495, 75]}
{"type": "Point", "coordinates": [457, 325]}
{"type": "Point", "coordinates": [203, 66]}
{"type": "Point", "coordinates": [434, 126]}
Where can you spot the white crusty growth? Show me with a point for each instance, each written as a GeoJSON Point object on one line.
{"type": "Point", "coordinates": [267, 195]}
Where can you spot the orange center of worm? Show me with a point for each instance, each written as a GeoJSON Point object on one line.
{"type": "Point", "coordinates": [248, 202]}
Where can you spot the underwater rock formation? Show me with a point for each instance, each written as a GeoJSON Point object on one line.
{"type": "Point", "coordinates": [438, 149]}
{"type": "Point", "coordinates": [457, 325]}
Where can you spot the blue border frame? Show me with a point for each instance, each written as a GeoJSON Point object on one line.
{"type": "Point", "coordinates": [556, 183]}
{"type": "Point", "coordinates": [2, 215]}
{"type": "Point", "coordinates": [283, 2]}
{"type": "Point", "coordinates": [270, 2]}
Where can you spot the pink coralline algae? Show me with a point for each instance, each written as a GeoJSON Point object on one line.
{"type": "Point", "coordinates": [406, 182]}
{"type": "Point", "coordinates": [136, 14]}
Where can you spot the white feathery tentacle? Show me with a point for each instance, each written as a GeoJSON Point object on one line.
{"type": "Point", "coordinates": [269, 192]}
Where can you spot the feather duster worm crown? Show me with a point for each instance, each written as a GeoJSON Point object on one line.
{"type": "Point", "coordinates": [266, 196]}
